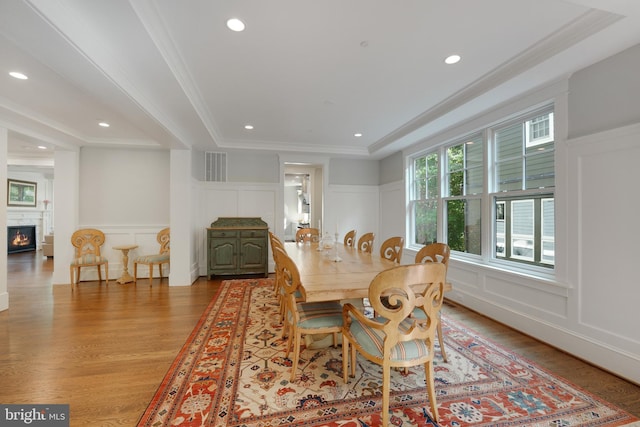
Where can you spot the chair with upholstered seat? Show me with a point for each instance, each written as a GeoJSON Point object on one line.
{"type": "Point", "coordinates": [304, 235]}
{"type": "Point", "coordinates": [365, 242]}
{"type": "Point", "coordinates": [87, 243]}
{"type": "Point", "coordinates": [395, 338]}
{"type": "Point", "coordinates": [162, 257]}
{"type": "Point", "coordinates": [391, 249]}
{"type": "Point", "coordinates": [303, 318]}
{"type": "Point", "coordinates": [277, 285]}
{"type": "Point", "coordinates": [435, 252]}
{"type": "Point", "coordinates": [350, 239]}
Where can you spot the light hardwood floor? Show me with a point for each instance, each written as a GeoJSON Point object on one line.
{"type": "Point", "coordinates": [104, 349]}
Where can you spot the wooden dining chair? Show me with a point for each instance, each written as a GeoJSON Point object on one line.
{"type": "Point", "coordinates": [435, 252]}
{"type": "Point", "coordinates": [391, 249]}
{"type": "Point", "coordinates": [87, 243]}
{"type": "Point", "coordinates": [162, 257]}
{"type": "Point", "coordinates": [304, 235]}
{"type": "Point", "coordinates": [277, 285]}
{"type": "Point", "coordinates": [303, 318]}
{"type": "Point", "coordinates": [394, 338]}
{"type": "Point", "coordinates": [365, 242]}
{"type": "Point", "coordinates": [350, 239]}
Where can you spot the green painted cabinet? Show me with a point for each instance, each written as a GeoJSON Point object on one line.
{"type": "Point", "coordinates": [237, 246]}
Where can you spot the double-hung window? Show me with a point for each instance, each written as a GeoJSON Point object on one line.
{"type": "Point", "coordinates": [424, 198]}
{"type": "Point", "coordinates": [464, 177]}
{"type": "Point", "coordinates": [524, 182]}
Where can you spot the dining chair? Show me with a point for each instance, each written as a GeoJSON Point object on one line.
{"type": "Point", "coordinates": [87, 243]}
{"type": "Point", "coordinates": [391, 249]}
{"type": "Point", "coordinates": [277, 284]}
{"type": "Point", "coordinates": [304, 235]}
{"type": "Point", "coordinates": [365, 243]}
{"type": "Point", "coordinates": [350, 239]}
{"type": "Point", "coordinates": [394, 338]}
{"type": "Point", "coordinates": [162, 257]}
{"type": "Point", "coordinates": [303, 318]}
{"type": "Point", "coordinates": [435, 252]}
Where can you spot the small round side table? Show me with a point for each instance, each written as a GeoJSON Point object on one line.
{"type": "Point", "coordinates": [126, 277]}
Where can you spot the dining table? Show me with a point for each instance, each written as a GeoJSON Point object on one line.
{"type": "Point", "coordinates": [338, 272]}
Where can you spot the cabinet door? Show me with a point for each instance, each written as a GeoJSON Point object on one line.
{"type": "Point", "coordinates": [254, 255]}
{"type": "Point", "coordinates": [223, 254]}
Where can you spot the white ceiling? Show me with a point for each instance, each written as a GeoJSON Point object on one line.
{"type": "Point", "coordinates": [307, 74]}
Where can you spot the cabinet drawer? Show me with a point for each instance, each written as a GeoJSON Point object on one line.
{"type": "Point", "coordinates": [253, 234]}
{"type": "Point", "coordinates": [223, 234]}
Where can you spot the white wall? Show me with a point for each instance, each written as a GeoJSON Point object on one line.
{"type": "Point", "coordinates": [124, 193]}
{"type": "Point", "coordinates": [4, 295]}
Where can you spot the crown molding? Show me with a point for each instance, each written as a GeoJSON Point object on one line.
{"type": "Point", "coordinates": [575, 31]}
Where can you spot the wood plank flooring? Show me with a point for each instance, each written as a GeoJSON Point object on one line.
{"type": "Point", "coordinates": [104, 349]}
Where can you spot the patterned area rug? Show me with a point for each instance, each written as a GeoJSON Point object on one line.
{"type": "Point", "coordinates": [232, 372]}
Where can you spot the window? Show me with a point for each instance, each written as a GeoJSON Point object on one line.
{"type": "Point", "coordinates": [525, 229]}
{"type": "Point", "coordinates": [507, 170]}
{"type": "Point", "coordinates": [524, 175]}
{"type": "Point", "coordinates": [424, 199]}
{"type": "Point", "coordinates": [464, 177]}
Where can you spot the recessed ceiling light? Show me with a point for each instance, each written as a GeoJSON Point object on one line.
{"type": "Point", "coordinates": [42, 147]}
{"type": "Point", "coordinates": [357, 135]}
{"type": "Point", "coordinates": [104, 124]}
{"type": "Point", "coordinates": [18, 75]}
{"type": "Point", "coordinates": [234, 24]}
{"type": "Point", "coordinates": [248, 127]}
{"type": "Point", "coordinates": [452, 59]}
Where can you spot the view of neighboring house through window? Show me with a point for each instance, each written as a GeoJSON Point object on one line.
{"type": "Point", "coordinates": [515, 180]}
{"type": "Point", "coordinates": [524, 183]}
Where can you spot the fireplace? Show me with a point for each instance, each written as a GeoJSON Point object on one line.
{"type": "Point", "coordinates": [21, 238]}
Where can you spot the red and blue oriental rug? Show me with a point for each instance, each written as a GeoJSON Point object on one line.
{"type": "Point", "coordinates": [232, 372]}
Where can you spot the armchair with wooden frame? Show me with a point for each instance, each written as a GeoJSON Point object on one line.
{"type": "Point", "coordinates": [395, 338]}
{"type": "Point", "coordinates": [301, 317]}
{"type": "Point", "coordinates": [350, 239]}
{"type": "Point", "coordinates": [162, 257]}
{"type": "Point", "coordinates": [435, 252]}
{"type": "Point", "coordinates": [365, 242]}
{"type": "Point", "coordinates": [304, 235]}
{"type": "Point", "coordinates": [392, 248]}
{"type": "Point", "coordinates": [87, 243]}
{"type": "Point", "coordinates": [277, 285]}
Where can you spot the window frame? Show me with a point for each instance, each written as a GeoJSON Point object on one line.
{"type": "Point", "coordinates": [487, 197]}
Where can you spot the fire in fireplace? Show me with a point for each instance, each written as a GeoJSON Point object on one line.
{"type": "Point", "coordinates": [21, 238]}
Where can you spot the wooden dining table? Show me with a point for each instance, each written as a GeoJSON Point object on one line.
{"type": "Point", "coordinates": [325, 279]}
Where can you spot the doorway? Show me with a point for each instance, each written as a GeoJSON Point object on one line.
{"type": "Point", "coordinates": [302, 198]}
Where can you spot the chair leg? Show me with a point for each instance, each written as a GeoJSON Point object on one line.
{"type": "Point", "coordinates": [296, 355]}
{"type": "Point", "coordinates": [386, 385]}
{"type": "Point", "coordinates": [353, 361]}
{"type": "Point", "coordinates": [440, 339]}
{"type": "Point", "coordinates": [345, 354]}
{"type": "Point", "coordinates": [150, 274]}
{"type": "Point", "coordinates": [71, 276]}
{"type": "Point", "coordinates": [135, 272]}
{"type": "Point", "coordinates": [431, 390]}
{"type": "Point", "coordinates": [99, 274]}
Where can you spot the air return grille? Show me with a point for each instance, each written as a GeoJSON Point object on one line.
{"type": "Point", "coordinates": [215, 167]}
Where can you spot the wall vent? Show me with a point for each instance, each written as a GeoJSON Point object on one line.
{"type": "Point", "coordinates": [215, 168]}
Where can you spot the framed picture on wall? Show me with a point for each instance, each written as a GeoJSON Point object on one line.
{"type": "Point", "coordinates": [22, 193]}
